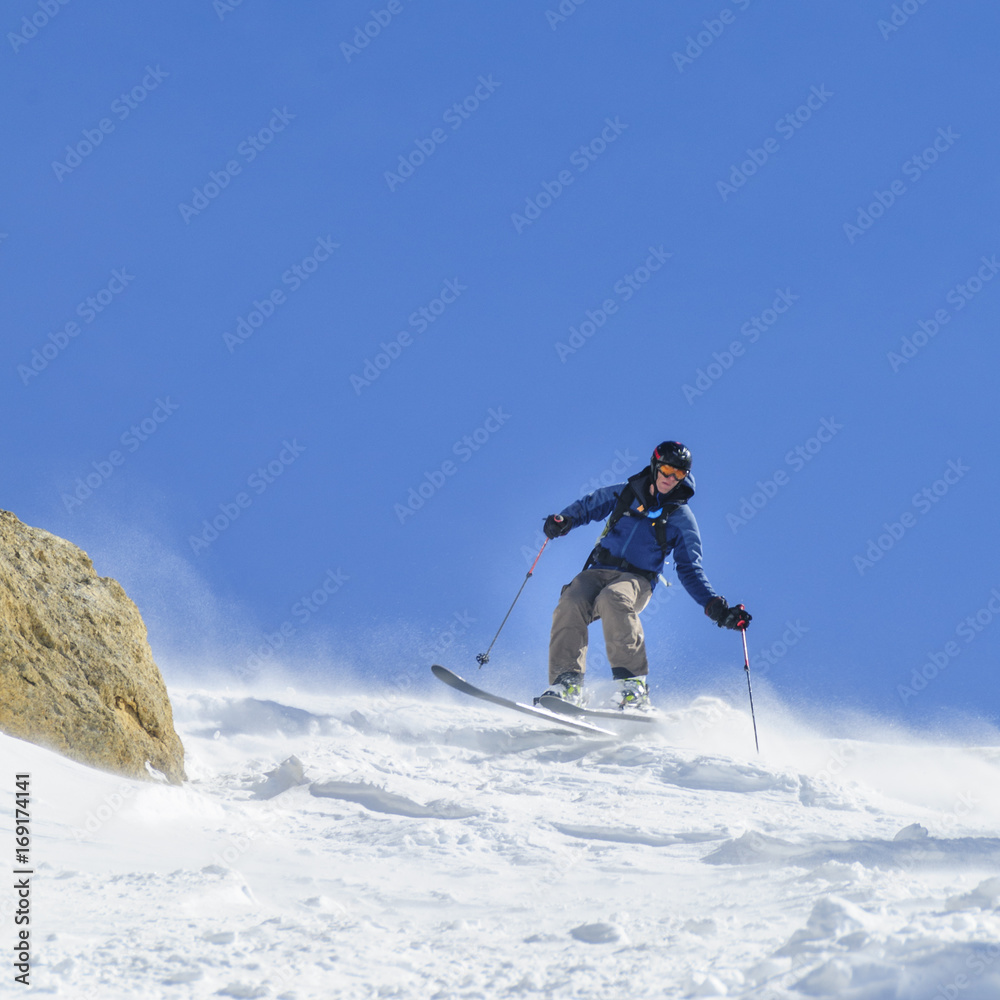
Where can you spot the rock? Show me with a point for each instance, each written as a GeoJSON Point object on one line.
{"type": "Point", "coordinates": [76, 671]}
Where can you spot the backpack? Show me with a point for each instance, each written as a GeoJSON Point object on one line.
{"type": "Point", "coordinates": [623, 508]}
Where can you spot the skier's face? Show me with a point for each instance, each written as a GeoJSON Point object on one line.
{"type": "Point", "coordinates": [665, 483]}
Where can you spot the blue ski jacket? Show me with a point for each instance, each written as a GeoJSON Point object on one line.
{"type": "Point", "coordinates": [634, 538]}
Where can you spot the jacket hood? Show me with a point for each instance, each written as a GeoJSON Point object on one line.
{"type": "Point", "coordinates": [681, 493]}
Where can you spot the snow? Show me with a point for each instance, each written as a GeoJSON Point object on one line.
{"type": "Point", "coordinates": [433, 847]}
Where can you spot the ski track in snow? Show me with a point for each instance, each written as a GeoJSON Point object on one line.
{"type": "Point", "coordinates": [440, 849]}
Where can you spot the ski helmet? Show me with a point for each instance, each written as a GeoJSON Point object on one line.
{"type": "Point", "coordinates": [670, 453]}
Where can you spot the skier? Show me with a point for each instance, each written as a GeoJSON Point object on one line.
{"type": "Point", "coordinates": [649, 519]}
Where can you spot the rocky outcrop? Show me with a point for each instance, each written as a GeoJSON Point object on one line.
{"type": "Point", "coordinates": [76, 671]}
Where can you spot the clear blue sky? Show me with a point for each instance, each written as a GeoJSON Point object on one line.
{"type": "Point", "coordinates": [235, 239]}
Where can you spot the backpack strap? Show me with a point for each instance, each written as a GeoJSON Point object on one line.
{"type": "Point", "coordinates": [623, 508]}
{"type": "Point", "coordinates": [660, 526]}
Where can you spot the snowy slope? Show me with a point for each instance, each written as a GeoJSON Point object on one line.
{"type": "Point", "coordinates": [439, 848]}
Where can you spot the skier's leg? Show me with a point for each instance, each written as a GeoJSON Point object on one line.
{"type": "Point", "coordinates": [572, 616]}
{"type": "Point", "coordinates": [618, 605]}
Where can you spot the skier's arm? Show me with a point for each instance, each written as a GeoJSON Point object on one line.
{"type": "Point", "coordinates": [594, 506]}
{"type": "Point", "coordinates": [687, 558]}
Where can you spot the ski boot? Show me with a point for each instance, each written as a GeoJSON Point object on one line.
{"type": "Point", "coordinates": [568, 686]}
{"type": "Point", "coordinates": [633, 695]}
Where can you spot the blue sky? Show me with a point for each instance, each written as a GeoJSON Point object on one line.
{"type": "Point", "coordinates": [286, 269]}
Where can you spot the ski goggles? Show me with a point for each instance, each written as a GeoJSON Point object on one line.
{"type": "Point", "coordinates": [670, 470]}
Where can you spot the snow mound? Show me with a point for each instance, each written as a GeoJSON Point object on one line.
{"type": "Point", "coordinates": [930, 852]}
{"type": "Point", "coordinates": [381, 801]}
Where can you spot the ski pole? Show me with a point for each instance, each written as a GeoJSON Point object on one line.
{"type": "Point", "coordinates": [746, 667]}
{"type": "Point", "coordinates": [483, 658]}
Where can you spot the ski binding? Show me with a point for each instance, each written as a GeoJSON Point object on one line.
{"type": "Point", "coordinates": [570, 710]}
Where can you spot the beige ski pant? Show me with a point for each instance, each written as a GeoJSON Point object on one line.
{"type": "Point", "coordinates": [614, 596]}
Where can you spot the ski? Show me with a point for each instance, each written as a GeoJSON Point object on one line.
{"type": "Point", "coordinates": [460, 684]}
{"type": "Point", "coordinates": [570, 710]}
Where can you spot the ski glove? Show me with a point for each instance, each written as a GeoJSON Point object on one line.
{"type": "Point", "coordinates": [556, 525]}
{"type": "Point", "coordinates": [735, 617]}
